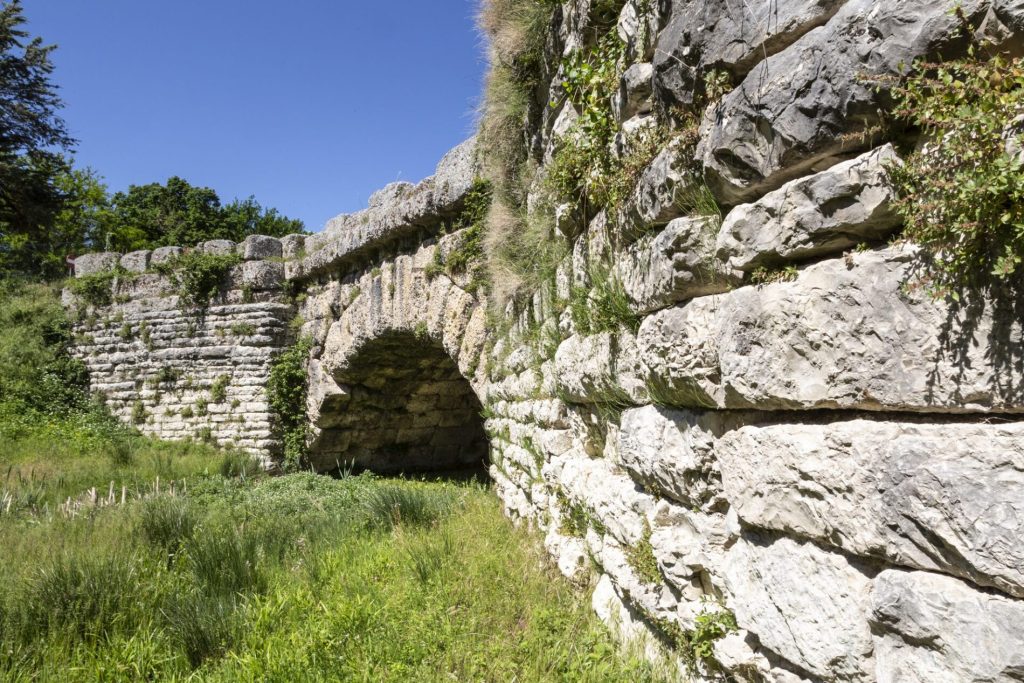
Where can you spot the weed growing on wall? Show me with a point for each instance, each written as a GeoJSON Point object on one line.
{"type": "Point", "coordinates": [95, 289]}
{"type": "Point", "coordinates": [198, 277]}
{"type": "Point", "coordinates": [468, 255]}
{"type": "Point", "coordinates": [641, 558]}
{"type": "Point", "coordinates": [287, 385]}
{"type": "Point", "coordinates": [962, 193]}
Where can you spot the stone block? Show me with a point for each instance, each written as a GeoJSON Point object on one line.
{"type": "Point", "coordinates": [136, 261]}
{"type": "Point", "coordinates": [91, 264]}
{"type": "Point", "coordinates": [935, 629]}
{"type": "Point", "coordinates": [807, 106]}
{"type": "Point", "coordinates": [634, 95]}
{"type": "Point", "coordinates": [673, 265]}
{"type": "Point", "coordinates": [703, 36]}
{"type": "Point", "coordinates": [258, 275]}
{"type": "Point", "coordinates": [807, 605]}
{"type": "Point", "coordinates": [844, 334]}
{"type": "Point", "coordinates": [941, 497]}
{"type": "Point", "coordinates": [673, 452]}
{"type": "Point", "coordinates": [163, 255]}
{"type": "Point", "coordinates": [218, 247]}
{"type": "Point", "coordinates": [813, 216]}
{"type": "Point", "coordinates": [259, 247]}
{"type": "Point", "coordinates": [600, 368]}
{"type": "Point", "coordinates": [292, 246]}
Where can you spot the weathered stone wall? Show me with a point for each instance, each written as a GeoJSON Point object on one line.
{"type": "Point", "coordinates": [179, 373]}
{"type": "Point", "coordinates": [830, 457]}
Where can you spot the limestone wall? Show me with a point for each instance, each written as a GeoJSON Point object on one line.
{"type": "Point", "coordinates": [831, 457]}
{"type": "Point", "coordinates": [179, 373]}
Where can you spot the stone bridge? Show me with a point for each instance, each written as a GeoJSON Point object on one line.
{"type": "Point", "coordinates": [774, 426]}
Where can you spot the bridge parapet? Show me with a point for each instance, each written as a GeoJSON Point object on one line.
{"type": "Point", "coordinates": [399, 214]}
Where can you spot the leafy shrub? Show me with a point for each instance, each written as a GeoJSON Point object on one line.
{"type": "Point", "coordinates": [219, 388]}
{"type": "Point", "coordinates": [962, 193]}
{"type": "Point", "coordinates": [286, 393]}
{"type": "Point", "coordinates": [197, 277]}
{"type": "Point", "coordinates": [641, 558]}
{"type": "Point", "coordinates": [95, 289]}
{"type": "Point", "coordinates": [37, 371]}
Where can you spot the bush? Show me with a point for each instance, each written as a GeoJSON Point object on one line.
{"type": "Point", "coordinates": [239, 464]}
{"type": "Point", "coordinates": [197, 277]}
{"type": "Point", "coordinates": [286, 393]}
{"type": "Point", "coordinates": [962, 193]}
{"type": "Point", "coordinates": [95, 289]}
{"type": "Point", "coordinates": [37, 371]}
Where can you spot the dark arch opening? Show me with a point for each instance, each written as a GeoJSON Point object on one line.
{"type": "Point", "coordinates": [409, 410]}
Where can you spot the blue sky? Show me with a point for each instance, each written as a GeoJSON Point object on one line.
{"type": "Point", "coordinates": [309, 105]}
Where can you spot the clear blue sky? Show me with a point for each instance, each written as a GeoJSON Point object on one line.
{"type": "Point", "coordinates": [309, 105]}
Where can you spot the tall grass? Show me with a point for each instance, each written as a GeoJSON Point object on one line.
{"type": "Point", "coordinates": [298, 577]}
{"type": "Point", "coordinates": [77, 597]}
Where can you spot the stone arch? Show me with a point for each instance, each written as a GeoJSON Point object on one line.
{"type": "Point", "coordinates": [397, 385]}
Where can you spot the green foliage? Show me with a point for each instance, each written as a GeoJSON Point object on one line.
{"type": "Point", "coordinates": [517, 31]}
{"type": "Point", "coordinates": [226, 562]}
{"type": "Point", "coordinates": [256, 579]}
{"type": "Point", "coordinates": [219, 388]}
{"type": "Point", "coordinates": [198, 277]}
{"type": "Point", "coordinates": [178, 213]}
{"type": "Point", "coordinates": [202, 626]}
{"type": "Point", "coordinates": [78, 595]}
{"type": "Point", "coordinates": [468, 255]}
{"type": "Point", "coordinates": [604, 306]}
{"type": "Point", "coordinates": [584, 164]}
{"type": "Point", "coordinates": [286, 392]}
{"type": "Point", "coordinates": [576, 518]}
{"type": "Point", "coordinates": [37, 372]}
{"type": "Point", "coordinates": [711, 626]}
{"type": "Point", "coordinates": [31, 135]}
{"type": "Point", "coordinates": [962, 192]}
{"type": "Point", "coordinates": [641, 558]}
{"type": "Point", "coordinates": [767, 276]}
{"type": "Point", "coordinates": [166, 523]}
{"type": "Point", "coordinates": [95, 289]}
{"type": "Point", "coordinates": [139, 412]}
{"type": "Point", "coordinates": [239, 464]}
{"type": "Point", "coordinates": [386, 507]}
{"type": "Point", "coordinates": [242, 329]}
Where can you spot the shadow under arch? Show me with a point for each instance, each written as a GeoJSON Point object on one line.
{"type": "Point", "coordinates": [403, 406]}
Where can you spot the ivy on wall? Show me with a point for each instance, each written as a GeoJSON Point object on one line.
{"type": "Point", "coordinates": [287, 386]}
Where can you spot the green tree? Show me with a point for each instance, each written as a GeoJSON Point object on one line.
{"type": "Point", "coordinates": [31, 137]}
{"type": "Point", "coordinates": [178, 213]}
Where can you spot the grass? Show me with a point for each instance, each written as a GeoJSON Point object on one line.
{"type": "Point", "coordinates": [299, 577]}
